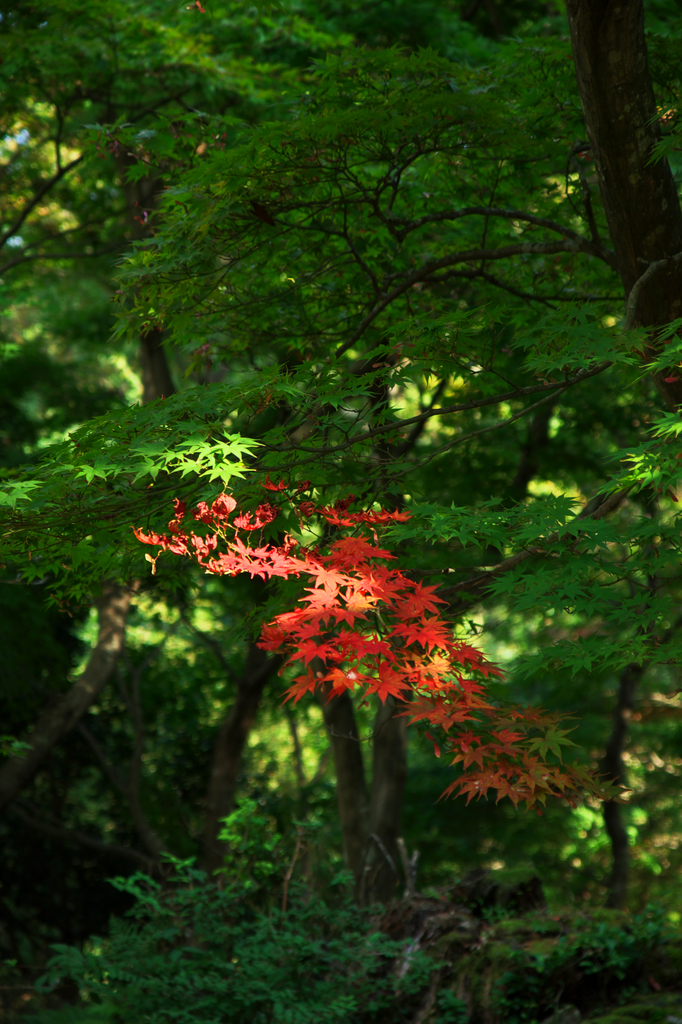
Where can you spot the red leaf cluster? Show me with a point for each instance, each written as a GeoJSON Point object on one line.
{"type": "Point", "coordinates": [363, 625]}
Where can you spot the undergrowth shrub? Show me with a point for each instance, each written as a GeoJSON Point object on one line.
{"type": "Point", "coordinates": [598, 962]}
{"type": "Point", "coordinates": [196, 952]}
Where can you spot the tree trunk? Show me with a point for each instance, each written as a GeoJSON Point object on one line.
{"type": "Point", "coordinates": [141, 197]}
{"type": "Point", "coordinates": [156, 379]}
{"type": "Point", "coordinates": [537, 438]}
{"type": "Point", "coordinates": [351, 788]}
{"type": "Point", "coordinates": [380, 874]}
{"type": "Point", "coordinates": [370, 828]}
{"type": "Point", "coordinates": [640, 198]}
{"type": "Point", "coordinates": [645, 222]}
{"type": "Point", "coordinates": [227, 752]}
{"type": "Point", "coordinates": [61, 716]}
{"type": "Point", "coordinates": [613, 769]}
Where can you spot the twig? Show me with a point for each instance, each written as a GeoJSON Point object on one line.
{"type": "Point", "coordinates": [398, 425]}
{"type": "Point", "coordinates": [33, 202]}
{"type": "Point", "coordinates": [470, 256]}
{"type": "Point", "coordinates": [109, 770]}
{"type": "Point", "coordinates": [287, 877]}
{"type": "Point", "coordinates": [385, 852]}
{"type": "Point", "coordinates": [211, 643]}
{"type": "Point", "coordinates": [409, 867]}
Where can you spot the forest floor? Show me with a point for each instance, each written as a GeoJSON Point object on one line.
{"type": "Point", "coordinates": [486, 951]}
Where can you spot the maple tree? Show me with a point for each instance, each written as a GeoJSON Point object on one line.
{"type": "Point", "coordinates": [364, 626]}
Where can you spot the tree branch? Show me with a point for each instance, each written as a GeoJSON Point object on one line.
{"type": "Point", "coordinates": [19, 260]}
{"type": "Point", "coordinates": [45, 187]}
{"type": "Point", "coordinates": [398, 425]}
{"type": "Point", "coordinates": [495, 211]}
{"type": "Point", "coordinates": [59, 831]}
{"type": "Point", "coordinates": [471, 256]}
{"type": "Point", "coordinates": [109, 770]}
{"type": "Point", "coordinates": [474, 587]}
{"type": "Point", "coordinates": [57, 720]}
{"type": "Point", "coordinates": [636, 290]}
{"type": "Point", "coordinates": [493, 426]}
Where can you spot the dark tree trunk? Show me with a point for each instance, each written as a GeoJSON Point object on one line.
{"type": "Point", "coordinates": [156, 379]}
{"type": "Point", "coordinates": [351, 788]}
{"type": "Point", "coordinates": [645, 222]}
{"type": "Point", "coordinates": [141, 198]}
{"type": "Point", "coordinates": [380, 873]}
{"type": "Point", "coordinates": [613, 769]}
{"type": "Point", "coordinates": [370, 828]}
{"type": "Point", "coordinates": [640, 198]}
{"type": "Point", "coordinates": [67, 709]}
{"type": "Point", "coordinates": [529, 462]}
{"type": "Point", "coordinates": [228, 749]}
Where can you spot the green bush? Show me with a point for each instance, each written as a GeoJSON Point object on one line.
{"type": "Point", "coordinates": [103, 1013]}
{"type": "Point", "coordinates": [201, 953]}
{"type": "Point", "coordinates": [597, 963]}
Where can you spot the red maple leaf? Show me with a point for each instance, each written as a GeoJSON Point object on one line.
{"type": "Point", "coordinates": [374, 630]}
{"type": "Point", "coordinates": [268, 484]}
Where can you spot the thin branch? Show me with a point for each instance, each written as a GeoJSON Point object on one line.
{"type": "Point", "coordinates": [211, 643]}
{"type": "Point", "coordinates": [471, 256]}
{"type": "Point", "coordinates": [397, 425]}
{"type": "Point", "coordinates": [59, 718]}
{"type": "Point", "coordinates": [587, 199]}
{"type": "Point", "coordinates": [474, 275]}
{"type": "Point", "coordinates": [47, 185]}
{"type": "Point", "coordinates": [290, 870]}
{"type": "Point", "coordinates": [109, 770]}
{"type": "Point", "coordinates": [298, 754]}
{"type": "Point", "coordinates": [409, 868]}
{"type": "Point", "coordinates": [488, 429]}
{"type": "Point", "coordinates": [478, 583]}
{"type": "Point", "coordinates": [418, 429]}
{"type": "Point", "coordinates": [19, 260]}
{"type": "Point", "coordinates": [494, 211]}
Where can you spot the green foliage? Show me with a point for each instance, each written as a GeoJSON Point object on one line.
{"type": "Point", "coordinates": [75, 517]}
{"type": "Point", "coordinates": [604, 952]}
{"type": "Point", "coordinates": [10, 746]}
{"type": "Point", "coordinates": [254, 847]}
{"type": "Point", "coordinates": [199, 955]}
{"type": "Point", "coordinates": [99, 1013]}
{"type": "Point", "coordinates": [451, 1010]}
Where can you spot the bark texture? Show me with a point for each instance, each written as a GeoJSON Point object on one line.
{"type": "Point", "coordinates": [380, 872]}
{"type": "Point", "coordinates": [351, 787]}
{"type": "Point", "coordinates": [228, 750]}
{"type": "Point", "coordinates": [142, 197]}
{"type": "Point", "coordinates": [614, 770]}
{"type": "Point", "coordinates": [156, 379]}
{"type": "Point", "coordinates": [640, 198]}
{"type": "Point", "coordinates": [62, 714]}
